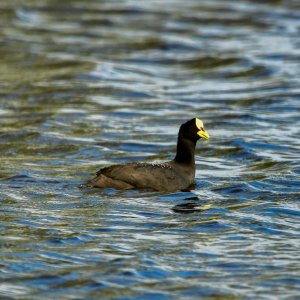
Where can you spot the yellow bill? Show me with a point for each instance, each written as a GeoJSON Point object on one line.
{"type": "Point", "coordinates": [202, 133]}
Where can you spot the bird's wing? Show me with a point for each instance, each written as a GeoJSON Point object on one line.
{"type": "Point", "coordinates": [142, 174]}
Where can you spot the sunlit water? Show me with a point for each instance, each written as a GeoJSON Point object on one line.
{"type": "Point", "coordinates": [84, 84]}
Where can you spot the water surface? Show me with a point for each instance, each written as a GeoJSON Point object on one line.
{"type": "Point", "coordinates": [84, 84]}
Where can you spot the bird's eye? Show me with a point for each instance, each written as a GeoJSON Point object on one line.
{"type": "Point", "coordinates": [201, 128]}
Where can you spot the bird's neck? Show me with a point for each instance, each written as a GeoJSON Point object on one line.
{"type": "Point", "coordinates": [185, 151]}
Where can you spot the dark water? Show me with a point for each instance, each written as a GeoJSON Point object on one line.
{"type": "Point", "coordinates": [89, 83]}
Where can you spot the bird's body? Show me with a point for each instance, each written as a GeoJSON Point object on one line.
{"type": "Point", "coordinates": [177, 174]}
{"type": "Point", "coordinates": [167, 176]}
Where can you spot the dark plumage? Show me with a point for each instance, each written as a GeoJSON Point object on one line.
{"type": "Point", "coordinates": [177, 174]}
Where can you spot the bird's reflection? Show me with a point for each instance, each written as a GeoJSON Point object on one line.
{"type": "Point", "coordinates": [190, 205]}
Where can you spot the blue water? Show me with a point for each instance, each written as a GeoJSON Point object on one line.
{"type": "Point", "coordinates": [89, 84]}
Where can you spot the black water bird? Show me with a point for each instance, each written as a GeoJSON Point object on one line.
{"type": "Point", "coordinates": [177, 174]}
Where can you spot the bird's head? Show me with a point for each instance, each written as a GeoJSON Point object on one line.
{"type": "Point", "coordinates": [193, 130]}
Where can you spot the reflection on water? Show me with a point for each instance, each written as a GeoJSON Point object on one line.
{"type": "Point", "coordinates": [85, 84]}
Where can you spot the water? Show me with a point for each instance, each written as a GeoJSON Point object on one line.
{"type": "Point", "coordinates": [85, 84]}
